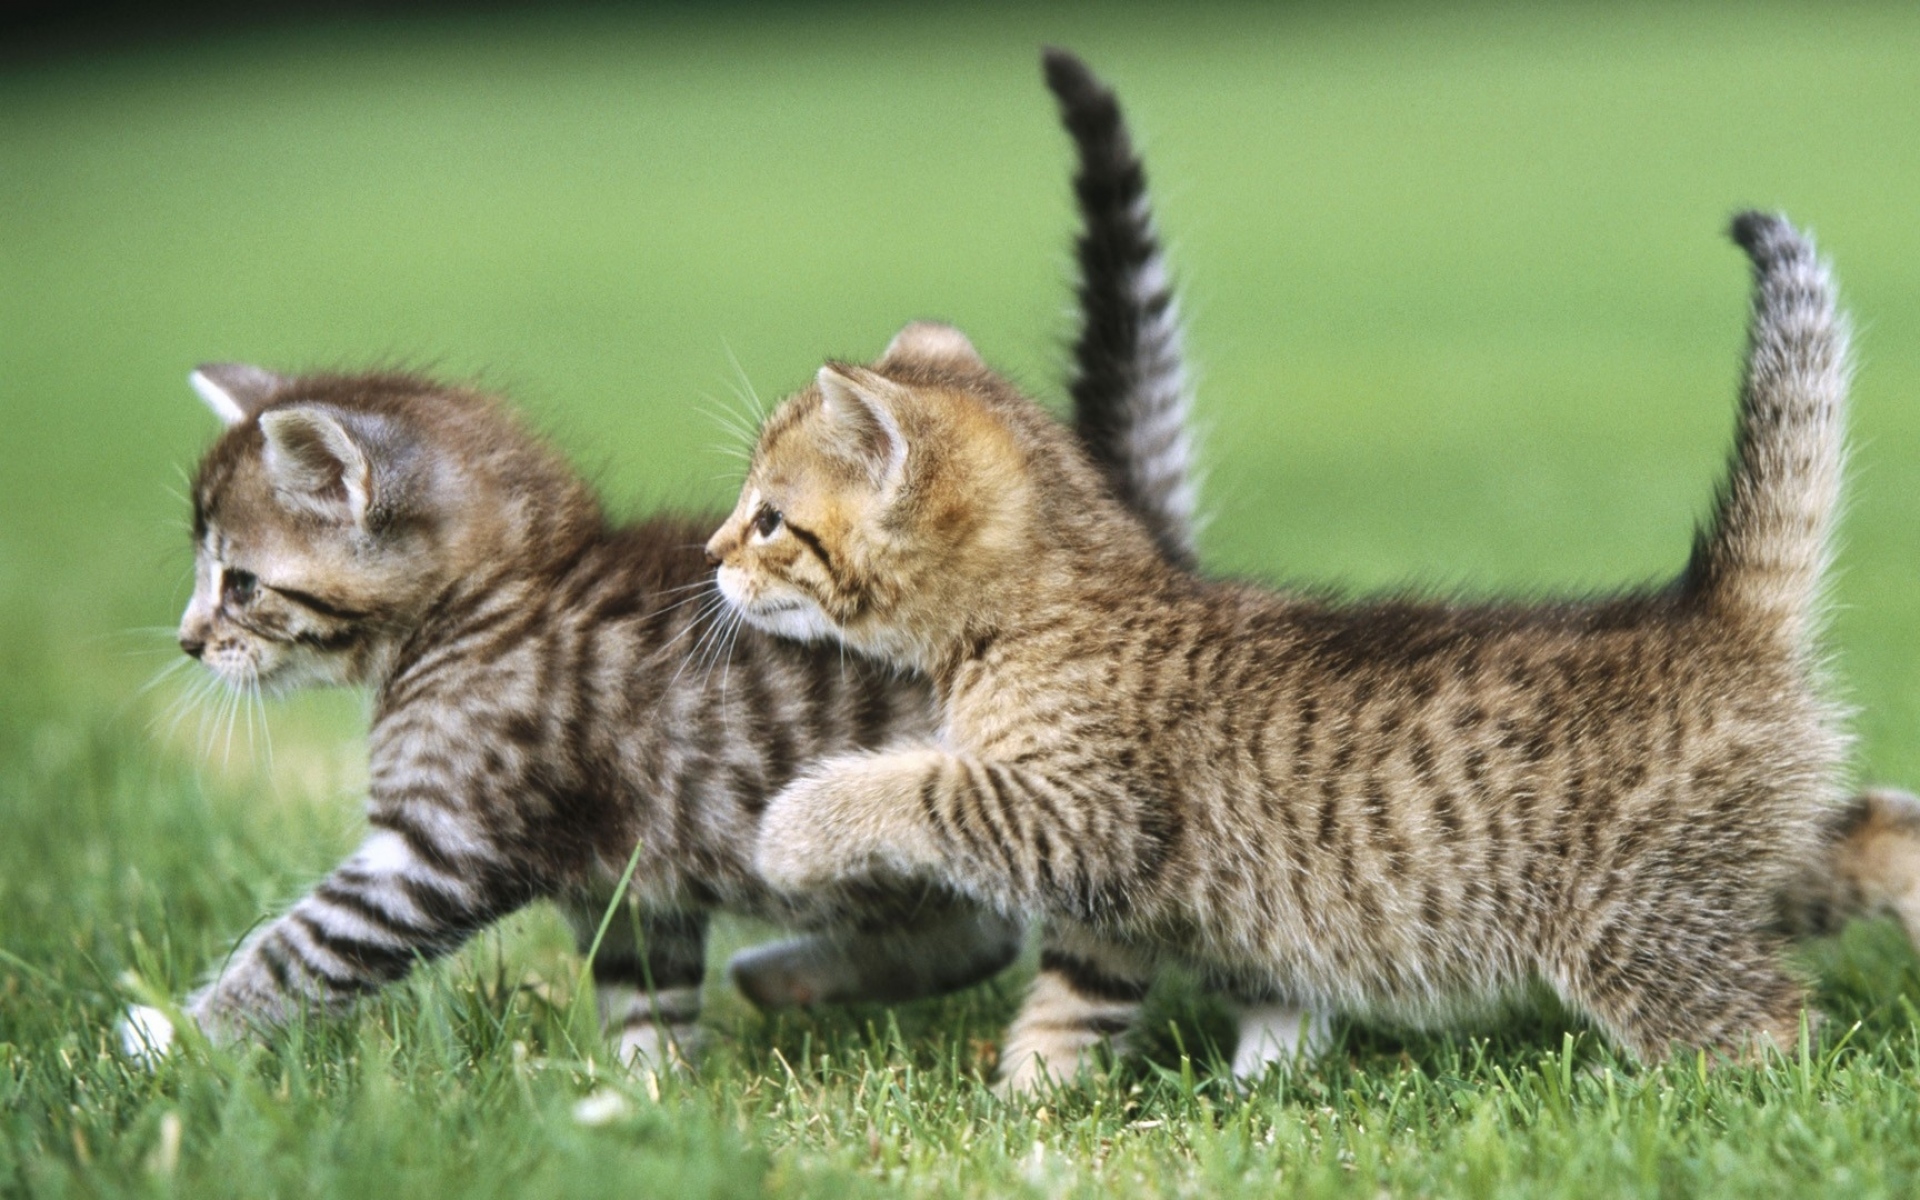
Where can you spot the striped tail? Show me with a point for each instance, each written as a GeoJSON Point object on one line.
{"type": "Point", "coordinates": [1131, 400]}
{"type": "Point", "coordinates": [1761, 562]}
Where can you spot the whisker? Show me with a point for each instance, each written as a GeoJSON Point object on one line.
{"type": "Point", "coordinates": [696, 652]}
{"type": "Point", "coordinates": [686, 587]}
{"type": "Point", "coordinates": [162, 675]}
{"type": "Point", "coordinates": [232, 710]}
{"type": "Point", "coordinates": [192, 700]}
{"type": "Point", "coordinates": [257, 703]}
{"type": "Point", "coordinates": [682, 602]}
{"type": "Point", "coordinates": [745, 383]}
{"type": "Point", "coordinates": [697, 621]}
{"type": "Point", "coordinates": [726, 420]}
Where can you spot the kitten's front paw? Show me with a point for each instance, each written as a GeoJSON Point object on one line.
{"type": "Point", "coordinates": [796, 852]}
{"type": "Point", "coordinates": [146, 1034]}
{"type": "Point", "coordinates": [808, 841]}
{"type": "Point", "coordinates": [854, 818]}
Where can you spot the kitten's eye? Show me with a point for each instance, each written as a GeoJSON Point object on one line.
{"type": "Point", "coordinates": [238, 587]}
{"type": "Point", "coordinates": [767, 520]}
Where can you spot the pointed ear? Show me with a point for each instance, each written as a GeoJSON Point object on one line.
{"type": "Point", "coordinates": [315, 464]}
{"type": "Point", "coordinates": [932, 342]}
{"type": "Point", "coordinates": [859, 409]}
{"type": "Point", "coordinates": [234, 391]}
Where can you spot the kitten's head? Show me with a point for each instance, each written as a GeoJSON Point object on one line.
{"type": "Point", "coordinates": [895, 507]}
{"type": "Point", "coordinates": [336, 511]}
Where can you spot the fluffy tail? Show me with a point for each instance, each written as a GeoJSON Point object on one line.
{"type": "Point", "coordinates": [1761, 562]}
{"type": "Point", "coordinates": [1131, 401]}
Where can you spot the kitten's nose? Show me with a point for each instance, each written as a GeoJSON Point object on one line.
{"type": "Point", "coordinates": [194, 646]}
{"type": "Point", "coordinates": [715, 551]}
{"type": "Point", "coordinates": [713, 560]}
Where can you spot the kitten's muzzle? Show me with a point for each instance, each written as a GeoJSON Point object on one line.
{"type": "Point", "coordinates": [195, 647]}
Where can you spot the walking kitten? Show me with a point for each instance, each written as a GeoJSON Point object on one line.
{"type": "Point", "coordinates": [1871, 866]}
{"type": "Point", "coordinates": [1398, 805]}
{"type": "Point", "coordinates": [550, 690]}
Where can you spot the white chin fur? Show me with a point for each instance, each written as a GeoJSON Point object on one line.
{"type": "Point", "coordinates": [800, 624]}
{"type": "Point", "coordinates": [803, 622]}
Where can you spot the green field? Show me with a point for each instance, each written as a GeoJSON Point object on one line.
{"type": "Point", "coordinates": [1464, 315]}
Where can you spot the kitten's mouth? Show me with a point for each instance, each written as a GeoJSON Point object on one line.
{"type": "Point", "coordinates": [795, 619]}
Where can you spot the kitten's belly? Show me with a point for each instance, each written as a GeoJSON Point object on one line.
{"type": "Point", "coordinates": [1393, 938]}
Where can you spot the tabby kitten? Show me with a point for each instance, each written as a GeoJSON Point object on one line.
{"type": "Point", "coordinates": [1872, 865]}
{"type": "Point", "coordinates": [551, 692]}
{"type": "Point", "coordinates": [1398, 805]}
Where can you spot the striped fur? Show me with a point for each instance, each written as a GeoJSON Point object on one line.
{"type": "Point", "coordinates": [1130, 340]}
{"type": "Point", "coordinates": [1399, 805]}
{"type": "Point", "coordinates": [1132, 407]}
{"type": "Point", "coordinates": [550, 693]}
{"type": "Point", "coordinates": [553, 691]}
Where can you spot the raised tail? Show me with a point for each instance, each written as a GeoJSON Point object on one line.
{"type": "Point", "coordinates": [1762, 560]}
{"type": "Point", "coordinates": [1131, 401]}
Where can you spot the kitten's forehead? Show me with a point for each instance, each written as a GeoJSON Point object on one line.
{"type": "Point", "coordinates": [238, 520]}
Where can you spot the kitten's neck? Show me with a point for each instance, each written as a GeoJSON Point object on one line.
{"type": "Point", "coordinates": [495, 581]}
{"type": "Point", "coordinates": [1070, 583]}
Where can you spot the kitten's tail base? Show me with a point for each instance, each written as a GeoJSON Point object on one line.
{"type": "Point", "coordinates": [1762, 561]}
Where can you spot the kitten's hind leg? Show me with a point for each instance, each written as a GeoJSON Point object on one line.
{"type": "Point", "coordinates": [1873, 868]}
{"type": "Point", "coordinates": [953, 946]}
{"type": "Point", "coordinates": [1882, 856]}
{"type": "Point", "coordinates": [646, 979]}
{"type": "Point", "coordinates": [1276, 1031]}
{"type": "Point", "coordinates": [1723, 991]}
{"type": "Point", "coordinates": [1086, 995]}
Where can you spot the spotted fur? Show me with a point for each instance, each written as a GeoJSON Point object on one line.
{"type": "Point", "coordinates": [1130, 339]}
{"type": "Point", "coordinates": [1399, 805]}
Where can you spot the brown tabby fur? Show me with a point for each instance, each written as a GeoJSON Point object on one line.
{"type": "Point", "coordinates": [1397, 805]}
{"type": "Point", "coordinates": [551, 693]}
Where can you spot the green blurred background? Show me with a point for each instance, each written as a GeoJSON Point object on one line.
{"type": "Point", "coordinates": [1456, 280]}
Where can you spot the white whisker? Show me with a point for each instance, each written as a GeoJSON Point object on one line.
{"type": "Point", "coordinates": [746, 384]}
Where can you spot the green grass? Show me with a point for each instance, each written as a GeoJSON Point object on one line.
{"type": "Point", "coordinates": [1464, 315]}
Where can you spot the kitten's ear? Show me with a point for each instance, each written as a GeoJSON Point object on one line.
{"type": "Point", "coordinates": [234, 391]}
{"type": "Point", "coordinates": [932, 342]}
{"type": "Point", "coordinates": [859, 410]}
{"type": "Point", "coordinates": [315, 464]}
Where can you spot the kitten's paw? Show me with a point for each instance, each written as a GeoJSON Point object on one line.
{"type": "Point", "coordinates": [855, 818]}
{"type": "Point", "coordinates": [642, 1048]}
{"type": "Point", "coordinates": [803, 843]}
{"type": "Point", "coordinates": [1280, 1035]}
{"type": "Point", "coordinates": [795, 973]}
{"type": "Point", "coordinates": [146, 1034]}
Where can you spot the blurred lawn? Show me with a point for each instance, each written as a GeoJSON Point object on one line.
{"type": "Point", "coordinates": [1455, 280]}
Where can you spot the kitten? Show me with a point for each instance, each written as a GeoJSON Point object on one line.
{"type": "Point", "coordinates": [1873, 863]}
{"type": "Point", "coordinates": [1132, 403]}
{"type": "Point", "coordinates": [1398, 805]}
{"type": "Point", "coordinates": [551, 691]}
